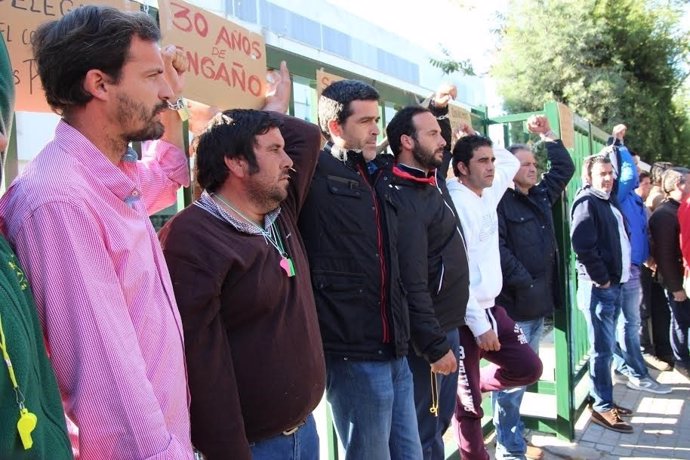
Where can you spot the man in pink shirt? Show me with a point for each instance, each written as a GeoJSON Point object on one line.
{"type": "Point", "coordinates": [78, 218]}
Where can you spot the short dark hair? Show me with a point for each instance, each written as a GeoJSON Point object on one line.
{"type": "Point", "coordinates": [401, 124]}
{"type": "Point", "coordinates": [86, 38]}
{"type": "Point", "coordinates": [516, 147]}
{"type": "Point", "coordinates": [334, 103]}
{"type": "Point", "coordinates": [464, 149]}
{"type": "Point", "coordinates": [644, 175]}
{"type": "Point", "coordinates": [230, 134]}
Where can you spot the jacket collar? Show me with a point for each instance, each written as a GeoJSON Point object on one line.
{"type": "Point", "coordinates": [414, 175]}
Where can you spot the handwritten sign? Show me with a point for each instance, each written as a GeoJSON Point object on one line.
{"type": "Point", "coordinates": [458, 115]}
{"type": "Point", "coordinates": [323, 79]}
{"type": "Point", "coordinates": [19, 20]}
{"type": "Point", "coordinates": [227, 63]}
{"type": "Point", "coordinates": [567, 128]}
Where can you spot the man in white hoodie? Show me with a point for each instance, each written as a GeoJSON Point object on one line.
{"type": "Point", "coordinates": [482, 179]}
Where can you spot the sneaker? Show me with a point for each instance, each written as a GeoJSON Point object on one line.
{"type": "Point", "coordinates": [648, 384]}
{"type": "Point", "coordinates": [534, 453]}
{"type": "Point", "coordinates": [655, 363]}
{"type": "Point", "coordinates": [612, 421]}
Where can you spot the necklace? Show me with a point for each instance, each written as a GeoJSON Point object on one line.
{"type": "Point", "coordinates": [272, 236]}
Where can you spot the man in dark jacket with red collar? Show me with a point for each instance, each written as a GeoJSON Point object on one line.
{"type": "Point", "coordinates": [529, 262]}
{"type": "Point", "coordinates": [433, 264]}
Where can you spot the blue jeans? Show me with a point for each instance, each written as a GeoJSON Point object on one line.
{"type": "Point", "coordinates": [373, 408]}
{"type": "Point", "coordinates": [627, 356]}
{"type": "Point", "coordinates": [303, 444]}
{"type": "Point", "coordinates": [432, 427]}
{"type": "Point", "coordinates": [680, 322]}
{"type": "Point", "coordinates": [510, 442]}
{"type": "Point", "coordinates": [601, 308]}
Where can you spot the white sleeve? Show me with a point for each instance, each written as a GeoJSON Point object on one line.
{"type": "Point", "coordinates": [506, 167]}
{"type": "Point", "coordinates": [475, 317]}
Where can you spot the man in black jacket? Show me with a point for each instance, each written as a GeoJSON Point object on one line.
{"type": "Point", "coordinates": [433, 264]}
{"type": "Point", "coordinates": [350, 229]}
{"type": "Point", "coordinates": [601, 243]}
{"type": "Point", "coordinates": [665, 230]}
{"type": "Point", "coordinates": [529, 256]}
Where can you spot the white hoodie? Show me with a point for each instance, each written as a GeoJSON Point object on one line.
{"type": "Point", "coordinates": [480, 225]}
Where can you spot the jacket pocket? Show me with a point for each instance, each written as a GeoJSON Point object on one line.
{"type": "Point", "coordinates": [343, 186]}
{"type": "Point", "coordinates": [345, 315]}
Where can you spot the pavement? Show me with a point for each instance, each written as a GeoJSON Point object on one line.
{"type": "Point", "coordinates": [661, 423]}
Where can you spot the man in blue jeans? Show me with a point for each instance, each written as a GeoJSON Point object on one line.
{"type": "Point", "coordinates": [529, 263]}
{"type": "Point", "coordinates": [627, 356]}
{"type": "Point", "coordinates": [600, 241]}
{"type": "Point", "coordinates": [350, 230]}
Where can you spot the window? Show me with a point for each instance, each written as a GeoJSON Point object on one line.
{"type": "Point", "coordinates": [336, 42]}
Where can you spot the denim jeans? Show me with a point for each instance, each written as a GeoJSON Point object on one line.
{"type": "Point", "coordinates": [510, 442]}
{"type": "Point", "coordinates": [680, 322]}
{"type": "Point", "coordinates": [303, 444]}
{"type": "Point", "coordinates": [432, 426]}
{"type": "Point", "coordinates": [373, 408]}
{"type": "Point", "coordinates": [627, 356]}
{"type": "Point", "coordinates": [601, 308]}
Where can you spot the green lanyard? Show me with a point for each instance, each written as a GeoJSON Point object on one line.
{"type": "Point", "coordinates": [27, 420]}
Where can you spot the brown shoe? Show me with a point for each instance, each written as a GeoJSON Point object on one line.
{"type": "Point", "coordinates": [623, 411]}
{"type": "Point", "coordinates": [612, 420]}
{"type": "Point", "coordinates": [534, 453]}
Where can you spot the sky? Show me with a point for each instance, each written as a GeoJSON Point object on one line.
{"type": "Point", "coordinates": [465, 32]}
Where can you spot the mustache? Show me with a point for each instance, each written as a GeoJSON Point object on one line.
{"type": "Point", "coordinates": [160, 108]}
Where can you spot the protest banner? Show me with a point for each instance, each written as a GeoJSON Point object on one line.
{"type": "Point", "coordinates": [227, 63]}
{"type": "Point", "coordinates": [19, 20]}
{"type": "Point", "coordinates": [323, 79]}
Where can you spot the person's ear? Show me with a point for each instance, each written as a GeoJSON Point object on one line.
{"type": "Point", "coordinates": [97, 84]}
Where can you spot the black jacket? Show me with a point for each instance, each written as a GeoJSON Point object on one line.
{"type": "Point", "coordinates": [665, 231]}
{"type": "Point", "coordinates": [349, 227]}
{"type": "Point", "coordinates": [596, 239]}
{"type": "Point", "coordinates": [529, 252]}
{"type": "Point", "coordinates": [433, 260]}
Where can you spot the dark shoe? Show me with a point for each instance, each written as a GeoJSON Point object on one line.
{"type": "Point", "coordinates": [656, 363]}
{"type": "Point", "coordinates": [683, 369]}
{"type": "Point", "coordinates": [611, 420]}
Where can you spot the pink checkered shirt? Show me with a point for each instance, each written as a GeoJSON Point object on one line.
{"type": "Point", "coordinates": [80, 227]}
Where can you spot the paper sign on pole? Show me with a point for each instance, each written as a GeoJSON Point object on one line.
{"type": "Point", "coordinates": [19, 19]}
{"type": "Point", "coordinates": [323, 79]}
{"type": "Point", "coordinates": [565, 118]}
{"type": "Point", "coordinates": [227, 63]}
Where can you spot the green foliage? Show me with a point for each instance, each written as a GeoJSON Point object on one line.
{"type": "Point", "coordinates": [449, 66]}
{"type": "Point", "coordinates": [611, 61]}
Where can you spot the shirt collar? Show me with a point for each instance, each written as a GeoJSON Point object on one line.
{"type": "Point", "coordinates": [208, 204]}
{"type": "Point", "coordinates": [97, 164]}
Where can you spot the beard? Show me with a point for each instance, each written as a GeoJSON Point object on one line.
{"type": "Point", "coordinates": [267, 196]}
{"type": "Point", "coordinates": [131, 112]}
{"type": "Point", "coordinates": [425, 157]}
